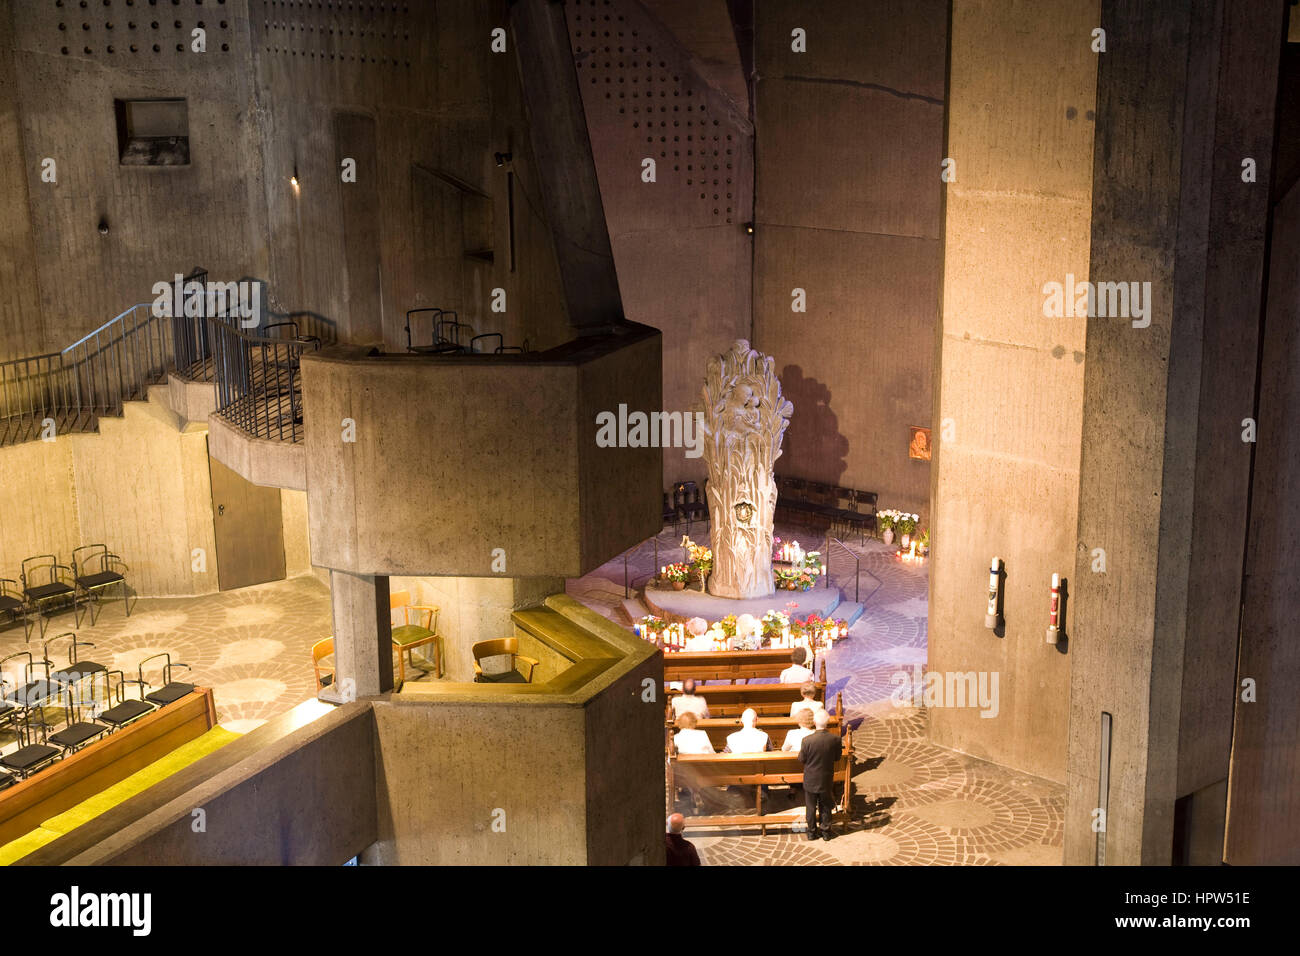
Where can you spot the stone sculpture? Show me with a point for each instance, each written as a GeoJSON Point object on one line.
{"type": "Point", "coordinates": [745, 417]}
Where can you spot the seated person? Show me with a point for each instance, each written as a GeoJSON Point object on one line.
{"type": "Point", "coordinates": [807, 695]}
{"type": "Point", "coordinates": [795, 736]}
{"type": "Point", "coordinates": [749, 739]}
{"type": "Point", "coordinates": [689, 740]}
{"type": "Point", "coordinates": [689, 701]}
{"type": "Point", "coordinates": [796, 673]}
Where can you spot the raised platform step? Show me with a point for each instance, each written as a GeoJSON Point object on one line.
{"type": "Point", "coordinates": [630, 610]}
{"type": "Point", "coordinates": [680, 606]}
{"type": "Point", "coordinates": [849, 611]}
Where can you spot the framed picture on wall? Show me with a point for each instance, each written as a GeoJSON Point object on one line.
{"type": "Point", "coordinates": [919, 446]}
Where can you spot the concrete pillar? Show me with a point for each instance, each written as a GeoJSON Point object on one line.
{"type": "Point", "coordinates": [1185, 93]}
{"type": "Point", "coordinates": [1010, 378]}
{"type": "Point", "coordinates": [363, 643]}
{"type": "Point", "coordinates": [562, 150]}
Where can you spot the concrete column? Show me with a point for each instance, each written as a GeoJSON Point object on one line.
{"type": "Point", "coordinates": [1010, 383]}
{"type": "Point", "coordinates": [1185, 94]}
{"type": "Point", "coordinates": [562, 149]}
{"type": "Point", "coordinates": [363, 643]}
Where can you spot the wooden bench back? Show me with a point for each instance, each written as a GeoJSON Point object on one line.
{"type": "Point", "coordinates": [731, 665]}
{"type": "Point", "coordinates": [767, 700]}
{"type": "Point", "coordinates": [729, 770]}
{"type": "Point", "coordinates": [719, 728]}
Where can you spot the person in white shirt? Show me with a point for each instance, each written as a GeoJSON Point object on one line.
{"type": "Point", "coordinates": [689, 740]}
{"type": "Point", "coordinates": [749, 739]}
{"type": "Point", "coordinates": [796, 673]}
{"type": "Point", "coordinates": [795, 736]}
{"type": "Point", "coordinates": [689, 702]}
{"type": "Point", "coordinates": [806, 700]}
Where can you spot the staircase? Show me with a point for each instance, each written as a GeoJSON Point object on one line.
{"type": "Point", "coordinates": [69, 391]}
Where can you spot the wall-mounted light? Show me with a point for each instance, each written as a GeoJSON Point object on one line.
{"type": "Point", "coordinates": [749, 228]}
{"type": "Point", "coordinates": [1054, 615]}
{"type": "Point", "coordinates": [103, 226]}
{"type": "Point", "coordinates": [293, 180]}
{"type": "Point", "coordinates": [995, 588]}
{"type": "Point", "coordinates": [502, 158]}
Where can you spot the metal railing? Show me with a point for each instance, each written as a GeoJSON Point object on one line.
{"type": "Point", "coordinates": [45, 395]}
{"type": "Point", "coordinates": [831, 543]}
{"type": "Point", "coordinates": [627, 580]}
{"type": "Point", "coordinates": [258, 379]}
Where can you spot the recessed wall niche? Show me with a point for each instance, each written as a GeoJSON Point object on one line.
{"type": "Point", "coordinates": [154, 132]}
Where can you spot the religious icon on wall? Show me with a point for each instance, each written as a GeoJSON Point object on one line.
{"type": "Point", "coordinates": [919, 447]}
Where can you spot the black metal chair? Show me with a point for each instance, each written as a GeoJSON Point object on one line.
{"type": "Point", "coordinates": [125, 711]}
{"type": "Point", "coordinates": [76, 732]}
{"type": "Point", "coordinates": [433, 330]}
{"type": "Point", "coordinates": [46, 581]}
{"type": "Point", "coordinates": [686, 498]}
{"type": "Point", "coordinates": [171, 691]}
{"type": "Point", "coordinates": [14, 603]}
{"type": "Point", "coordinates": [671, 512]}
{"type": "Point", "coordinates": [28, 710]}
{"type": "Point", "coordinates": [95, 569]}
{"type": "Point", "coordinates": [76, 670]}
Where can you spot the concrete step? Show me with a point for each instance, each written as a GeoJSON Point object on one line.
{"type": "Point", "coordinates": [630, 610]}
{"type": "Point", "coordinates": [849, 612]}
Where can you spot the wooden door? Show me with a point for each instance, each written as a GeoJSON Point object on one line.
{"type": "Point", "coordinates": [249, 530]}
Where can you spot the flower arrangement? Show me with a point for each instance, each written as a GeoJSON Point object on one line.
{"type": "Point", "coordinates": [907, 523]}
{"type": "Point", "coordinates": [728, 625]}
{"type": "Point", "coordinates": [651, 622]}
{"type": "Point", "coordinates": [925, 540]}
{"type": "Point", "coordinates": [749, 634]}
{"type": "Point", "coordinates": [701, 560]}
{"type": "Point", "coordinates": [886, 519]}
{"type": "Point", "coordinates": [774, 624]}
{"type": "Point", "coordinates": [677, 572]}
{"type": "Point", "coordinates": [795, 579]}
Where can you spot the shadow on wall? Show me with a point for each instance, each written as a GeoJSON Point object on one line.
{"type": "Point", "coordinates": [813, 448]}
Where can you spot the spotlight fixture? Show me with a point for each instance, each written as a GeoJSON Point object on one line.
{"type": "Point", "coordinates": [749, 228]}
{"type": "Point", "coordinates": [502, 158]}
{"type": "Point", "coordinates": [293, 180]}
{"type": "Point", "coordinates": [103, 226]}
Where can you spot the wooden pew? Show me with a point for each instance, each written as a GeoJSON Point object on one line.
{"type": "Point", "coordinates": [98, 766]}
{"type": "Point", "coordinates": [767, 700]}
{"type": "Point", "coordinates": [698, 771]}
{"type": "Point", "coordinates": [732, 665]}
{"type": "Point", "coordinates": [718, 728]}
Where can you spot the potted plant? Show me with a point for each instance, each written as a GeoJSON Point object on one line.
{"type": "Point", "coordinates": [676, 575]}
{"type": "Point", "coordinates": [701, 563]}
{"type": "Point", "coordinates": [906, 524]}
{"type": "Point", "coordinates": [925, 542]}
{"type": "Point", "coordinates": [885, 520]}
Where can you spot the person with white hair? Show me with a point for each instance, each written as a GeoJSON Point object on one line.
{"type": "Point", "coordinates": [749, 739]}
{"type": "Point", "coordinates": [807, 700]}
{"type": "Point", "coordinates": [795, 736]}
{"type": "Point", "coordinates": [689, 739]}
{"type": "Point", "coordinates": [819, 752]}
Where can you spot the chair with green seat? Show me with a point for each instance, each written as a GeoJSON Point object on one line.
{"type": "Point", "coordinates": [418, 628]}
{"type": "Point", "coordinates": [498, 662]}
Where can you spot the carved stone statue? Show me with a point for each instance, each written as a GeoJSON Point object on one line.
{"type": "Point", "coordinates": [745, 417]}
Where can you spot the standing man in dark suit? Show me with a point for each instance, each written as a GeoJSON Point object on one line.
{"type": "Point", "coordinates": [818, 752]}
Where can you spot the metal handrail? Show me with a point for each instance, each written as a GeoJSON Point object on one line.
{"type": "Point", "coordinates": [857, 568]}
{"type": "Point", "coordinates": [258, 380]}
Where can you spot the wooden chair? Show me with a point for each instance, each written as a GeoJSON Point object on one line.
{"type": "Point", "coordinates": [418, 628]}
{"type": "Point", "coordinates": [505, 645]}
{"type": "Point", "coordinates": [319, 651]}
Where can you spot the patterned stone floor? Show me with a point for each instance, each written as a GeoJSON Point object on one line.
{"type": "Point", "coordinates": [251, 646]}
{"type": "Point", "coordinates": [914, 803]}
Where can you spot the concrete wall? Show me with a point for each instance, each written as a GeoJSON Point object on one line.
{"type": "Point", "coordinates": [682, 254]}
{"type": "Point", "coordinates": [849, 145]}
{"type": "Point", "coordinates": [1020, 127]}
{"type": "Point", "coordinates": [278, 92]}
{"type": "Point", "coordinates": [498, 454]}
{"type": "Point", "coordinates": [1264, 787]}
{"type": "Point", "coordinates": [141, 486]}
